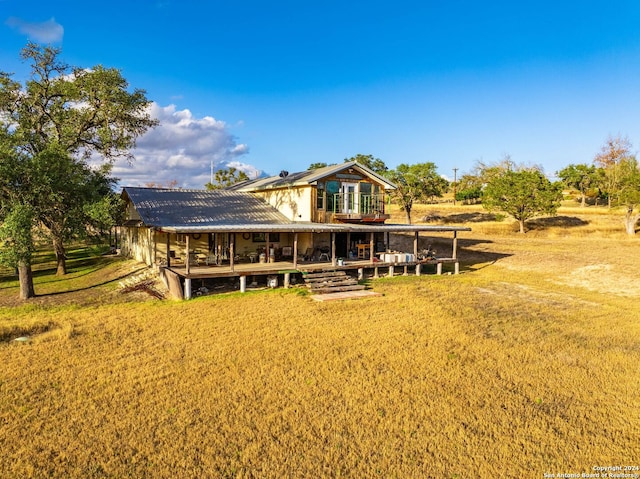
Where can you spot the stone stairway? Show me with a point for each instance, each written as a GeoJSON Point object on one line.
{"type": "Point", "coordinates": [331, 282]}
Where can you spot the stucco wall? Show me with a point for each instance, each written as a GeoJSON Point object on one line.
{"type": "Point", "coordinates": [295, 203]}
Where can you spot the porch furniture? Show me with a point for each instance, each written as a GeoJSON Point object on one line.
{"type": "Point", "coordinates": [363, 248]}
{"type": "Point", "coordinates": [308, 254]}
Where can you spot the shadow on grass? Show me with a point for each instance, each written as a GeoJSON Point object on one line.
{"type": "Point", "coordinates": [458, 218]}
{"type": "Point", "coordinates": [475, 217]}
{"type": "Point", "coordinates": [476, 259]}
{"type": "Point", "coordinates": [95, 285]}
{"type": "Point", "coordinates": [84, 267]}
{"type": "Point", "coordinates": [555, 221]}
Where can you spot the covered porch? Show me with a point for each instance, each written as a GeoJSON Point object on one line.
{"type": "Point", "coordinates": [367, 247]}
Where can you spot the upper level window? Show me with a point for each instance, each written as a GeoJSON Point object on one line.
{"type": "Point", "coordinates": [333, 188]}
{"type": "Point", "coordinates": [320, 197]}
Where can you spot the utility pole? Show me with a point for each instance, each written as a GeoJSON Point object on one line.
{"type": "Point", "coordinates": [455, 184]}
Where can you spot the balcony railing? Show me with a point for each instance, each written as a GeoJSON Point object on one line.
{"type": "Point", "coordinates": [356, 204]}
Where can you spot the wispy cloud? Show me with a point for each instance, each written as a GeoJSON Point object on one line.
{"type": "Point", "coordinates": [182, 148]}
{"type": "Point", "coordinates": [43, 32]}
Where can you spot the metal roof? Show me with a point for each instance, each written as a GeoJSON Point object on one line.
{"type": "Point", "coordinates": [297, 227]}
{"type": "Point", "coordinates": [160, 207]}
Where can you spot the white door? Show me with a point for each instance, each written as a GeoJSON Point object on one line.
{"type": "Point", "coordinates": [349, 197]}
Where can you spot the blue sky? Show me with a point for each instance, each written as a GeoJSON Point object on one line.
{"type": "Point", "coordinates": [280, 85]}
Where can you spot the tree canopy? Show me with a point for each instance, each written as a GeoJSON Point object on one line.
{"type": "Point", "coordinates": [62, 122]}
{"type": "Point", "coordinates": [374, 164]}
{"type": "Point", "coordinates": [226, 177]}
{"type": "Point", "coordinates": [523, 194]}
{"type": "Point", "coordinates": [414, 183]}
{"type": "Point", "coordinates": [581, 177]}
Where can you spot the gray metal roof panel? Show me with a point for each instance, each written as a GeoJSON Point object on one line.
{"type": "Point", "coordinates": [160, 207]}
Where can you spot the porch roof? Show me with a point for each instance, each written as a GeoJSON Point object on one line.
{"type": "Point", "coordinates": [298, 227]}
{"type": "Point", "coordinates": [201, 209]}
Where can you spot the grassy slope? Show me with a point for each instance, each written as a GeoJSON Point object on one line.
{"type": "Point", "coordinates": [525, 364]}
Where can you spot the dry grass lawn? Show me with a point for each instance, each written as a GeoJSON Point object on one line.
{"type": "Point", "coordinates": [525, 364]}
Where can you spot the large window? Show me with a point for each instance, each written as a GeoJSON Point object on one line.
{"type": "Point", "coordinates": [333, 188]}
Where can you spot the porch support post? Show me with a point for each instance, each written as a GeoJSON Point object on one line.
{"type": "Point", "coordinates": [348, 243]}
{"type": "Point", "coordinates": [371, 246]}
{"type": "Point", "coordinates": [187, 288]}
{"type": "Point", "coordinates": [391, 271]}
{"type": "Point", "coordinates": [387, 246]}
{"type": "Point", "coordinates": [243, 284]}
{"type": "Point", "coordinates": [232, 239]}
{"type": "Point", "coordinates": [267, 251]}
{"type": "Point", "coordinates": [295, 251]}
{"type": "Point", "coordinates": [455, 245]}
{"type": "Point", "coordinates": [287, 280]}
{"type": "Point", "coordinates": [415, 246]}
{"type": "Point", "coordinates": [418, 269]}
{"type": "Point", "coordinates": [186, 261]}
{"type": "Point", "coordinates": [360, 274]}
{"type": "Point", "coordinates": [333, 249]}
{"type": "Point", "coordinates": [168, 249]}
{"type": "Point", "coordinates": [439, 268]}
{"type": "Point", "coordinates": [218, 249]}
{"type": "Point", "coordinates": [152, 247]}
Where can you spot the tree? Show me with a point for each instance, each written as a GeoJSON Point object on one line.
{"type": "Point", "coordinates": [105, 213]}
{"type": "Point", "coordinates": [374, 164]}
{"type": "Point", "coordinates": [629, 193]}
{"type": "Point", "coordinates": [317, 166]}
{"type": "Point", "coordinates": [418, 182]}
{"type": "Point", "coordinates": [523, 194]}
{"type": "Point", "coordinates": [63, 190]}
{"type": "Point", "coordinates": [17, 247]}
{"type": "Point", "coordinates": [68, 115]}
{"type": "Point", "coordinates": [611, 155]}
{"type": "Point", "coordinates": [469, 189]}
{"type": "Point", "coordinates": [16, 214]}
{"type": "Point", "coordinates": [171, 184]}
{"type": "Point", "coordinates": [226, 177]}
{"type": "Point", "coordinates": [580, 177]}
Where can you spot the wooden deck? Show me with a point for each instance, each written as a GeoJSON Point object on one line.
{"type": "Point", "coordinates": [282, 267]}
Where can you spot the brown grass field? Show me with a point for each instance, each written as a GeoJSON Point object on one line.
{"type": "Point", "coordinates": [526, 364]}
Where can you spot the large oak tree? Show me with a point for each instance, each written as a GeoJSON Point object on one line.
{"type": "Point", "coordinates": [57, 121]}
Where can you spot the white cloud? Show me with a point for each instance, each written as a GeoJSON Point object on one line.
{"type": "Point", "coordinates": [182, 148]}
{"type": "Point", "coordinates": [44, 32]}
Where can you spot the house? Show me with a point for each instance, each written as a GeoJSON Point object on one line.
{"type": "Point", "coordinates": [302, 222]}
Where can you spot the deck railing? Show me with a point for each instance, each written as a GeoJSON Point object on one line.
{"type": "Point", "coordinates": [356, 203]}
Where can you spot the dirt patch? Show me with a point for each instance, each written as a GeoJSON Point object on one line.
{"type": "Point", "coordinates": [603, 278]}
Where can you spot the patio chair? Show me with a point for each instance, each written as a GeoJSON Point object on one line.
{"type": "Point", "coordinates": [307, 255]}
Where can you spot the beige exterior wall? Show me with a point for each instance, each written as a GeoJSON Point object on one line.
{"type": "Point", "coordinates": [295, 203]}
{"type": "Point", "coordinates": [139, 244]}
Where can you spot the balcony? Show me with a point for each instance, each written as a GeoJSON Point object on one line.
{"type": "Point", "coordinates": [357, 208]}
